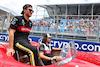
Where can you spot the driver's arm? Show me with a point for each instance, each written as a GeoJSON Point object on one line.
{"type": "Point", "coordinates": [42, 56]}
{"type": "Point", "coordinates": [53, 48]}
{"type": "Point", "coordinates": [41, 53]}
{"type": "Point", "coordinates": [13, 28]}
{"type": "Point", "coordinates": [11, 42]}
{"type": "Point", "coordinates": [11, 38]}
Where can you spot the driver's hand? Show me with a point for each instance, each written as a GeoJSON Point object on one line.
{"type": "Point", "coordinates": [52, 59]}
{"type": "Point", "coordinates": [11, 52]}
{"type": "Point", "coordinates": [58, 58]}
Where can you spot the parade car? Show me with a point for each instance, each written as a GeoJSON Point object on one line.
{"type": "Point", "coordinates": [71, 57]}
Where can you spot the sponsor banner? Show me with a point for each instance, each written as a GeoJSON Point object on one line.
{"type": "Point", "coordinates": [4, 37]}
{"type": "Point", "coordinates": [80, 45]}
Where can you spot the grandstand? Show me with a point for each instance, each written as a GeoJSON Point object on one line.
{"type": "Point", "coordinates": [70, 21]}
{"type": "Point", "coordinates": [65, 21]}
{"type": "Point", "coordinates": [5, 17]}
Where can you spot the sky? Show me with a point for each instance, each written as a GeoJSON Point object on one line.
{"type": "Point", "coordinates": [16, 5]}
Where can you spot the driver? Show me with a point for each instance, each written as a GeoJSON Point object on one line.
{"type": "Point", "coordinates": [19, 35]}
{"type": "Point", "coordinates": [45, 50]}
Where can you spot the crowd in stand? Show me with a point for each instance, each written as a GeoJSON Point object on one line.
{"type": "Point", "coordinates": [84, 26]}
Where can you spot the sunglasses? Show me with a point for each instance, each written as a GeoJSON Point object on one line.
{"type": "Point", "coordinates": [31, 10]}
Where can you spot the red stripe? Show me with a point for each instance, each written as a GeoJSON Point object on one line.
{"type": "Point", "coordinates": [47, 52]}
{"type": "Point", "coordinates": [23, 29]}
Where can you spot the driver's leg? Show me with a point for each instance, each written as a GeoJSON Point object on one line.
{"type": "Point", "coordinates": [32, 51]}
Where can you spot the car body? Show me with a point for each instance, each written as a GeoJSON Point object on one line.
{"type": "Point", "coordinates": [81, 59]}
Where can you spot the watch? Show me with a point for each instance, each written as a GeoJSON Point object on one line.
{"type": "Point", "coordinates": [50, 58]}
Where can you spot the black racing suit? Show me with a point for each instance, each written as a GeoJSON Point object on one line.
{"type": "Point", "coordinates": [46, 51]}
{"type": "Point", "coordinates": [21, 42]}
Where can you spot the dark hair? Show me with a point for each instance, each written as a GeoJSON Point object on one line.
{"type": "Point", "coordinates": [25, 7]}
{"type": "Point", "coordinates": [44, 39]}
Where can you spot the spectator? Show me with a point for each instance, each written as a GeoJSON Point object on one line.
{"type": "Point", "coordinates": [59, 27]}
{"type": "Point", "coordinates": [73, 28]}
{"type": "Point", "coordinates": [38, 27]}
{"type": "Point", "coordinates": [72, 25]}
{"type": "Point", "coordinates": [33, 25]}
{"type": "Point", "coordinates": [92, 30]}
{"type": "Point", "coordinates": [84, 30]}
{"type": "Point", "coordinates": [53, 25]}
{"type": "Point", "coordinates": [89, 30]}
{"type": "Point", "coordinates": [65, 28]}
{"type": "Point", "coordinates": [78, 29]}
{"type": "Point", "coordinates": [44, 25]}
{"type": "Point", "coordinates": [48, 25]}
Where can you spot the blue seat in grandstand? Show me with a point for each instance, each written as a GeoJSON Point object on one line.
{"type": "Point", "coordinates": [95, 32]}
{"type": "Point", "coordinates": [41, 28]}
{"type": "Point", "coordinates": [36, 27]}
{"type": "Point", "coordinates": [75, 25]}
{"type": "Point", "coordinates": [67, 30]}
{"type": "Point", "coordinates": [46, 28]}
{"type": "Point", "coordinates": [60, 21]}
{"type": "Point", "coordinates": [64, 22]}
{"type": "Point", "coordinates": [49, 20]}
{"type": "Point", "coordinates": [62, 27]}
{"type": "Point", "coordinates": [50, 28]}
{"type": "Point", "coordinates": [76, 30]}
{"type": "Point", "coordinates": [36, 21]}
